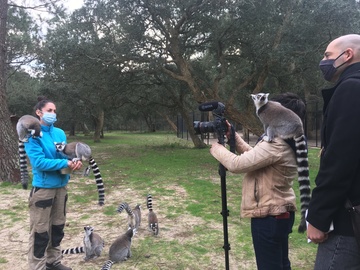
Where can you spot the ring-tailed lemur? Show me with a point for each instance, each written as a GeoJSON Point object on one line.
{"type": "Point", "coordinates": [120, 250]}
{"type": "Point", "coordinates": [23, 165]}
{"type": "Point", "coordinates": [282, 122]}
{"type": "Point", "coordinates": [152, 218]}
{"type": "Point", "coordinates": [81, 151]}
{"type": "Point", "coordinates": [26, 127]}
{"type": "Point", "coordinates": [134, 216]}
{"type": "Point", "coordinates": [93, 245]}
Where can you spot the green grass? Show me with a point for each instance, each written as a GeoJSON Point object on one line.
{"type": "Point", "coordinates": [185, 185]}
{"type": "Point", "coordinates": [160, 160]}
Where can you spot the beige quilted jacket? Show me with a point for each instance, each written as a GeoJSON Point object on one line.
{"type": "Point", "coordinates": [269, 168]}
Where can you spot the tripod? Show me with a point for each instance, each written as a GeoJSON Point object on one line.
{"type": "Point", "coordinates": [225, 211]}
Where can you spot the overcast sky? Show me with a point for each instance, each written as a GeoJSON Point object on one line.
{"type": "Point", "coordinates": [70, 4]}
{"type": "Point", "coordinates": [73, 4]}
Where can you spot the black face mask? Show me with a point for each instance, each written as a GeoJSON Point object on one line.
{"type": "Point", "coordinates": [327, 67]}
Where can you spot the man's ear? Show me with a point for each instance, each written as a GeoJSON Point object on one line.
{"type": "Point", "coordinates": [349, 54]}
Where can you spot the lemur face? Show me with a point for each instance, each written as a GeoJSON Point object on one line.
{"type": "Point", "coordinates": [260, 99]}
{"type": "Point", "coordinates": [60, 146]}
{"type": "Point", "coordinates": [88, 230]}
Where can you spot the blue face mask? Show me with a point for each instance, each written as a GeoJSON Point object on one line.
{"type": "Point", "coordinates": [49, 118]}
{"type": "Point", "coordinates": [327, 67]}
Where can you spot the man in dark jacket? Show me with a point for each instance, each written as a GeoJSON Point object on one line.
{"type": "Point", "coordinates": [338, 178]}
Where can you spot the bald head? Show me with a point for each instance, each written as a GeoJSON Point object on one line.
{"type": "Point", "coordinates": [351, 41]}
{"type": "Point", "coordinates": [340, 54]}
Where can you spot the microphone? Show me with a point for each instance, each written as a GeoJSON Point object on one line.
{"type": "Point", "coordinates": [208, 106]}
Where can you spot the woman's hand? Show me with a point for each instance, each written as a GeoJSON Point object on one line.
{"type": "Point", "coordinates": [228, 132]}
{"type": "Point", "coordinates": [214, 147]}
{"type": "Point", "coordinates": [74, 165]}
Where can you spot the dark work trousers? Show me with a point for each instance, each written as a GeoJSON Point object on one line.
{"type": "Point", "coordinates": [47, 208]}
{"type": "Point", "coordinates": [271, 241]}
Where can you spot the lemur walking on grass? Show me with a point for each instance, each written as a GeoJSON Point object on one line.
{"type": "Point", "coordinates": [153, 222]}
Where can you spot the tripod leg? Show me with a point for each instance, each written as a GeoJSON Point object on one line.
{"type": "Point", "coordinates": [225, 214]}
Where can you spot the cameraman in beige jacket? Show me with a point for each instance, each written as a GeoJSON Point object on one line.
{"type": "Point", "coordinates": [269, 168]}
{"type": "Point", "coordinates": [267, 194]}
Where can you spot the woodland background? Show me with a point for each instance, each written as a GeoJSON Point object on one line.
{"type": "Point", "coordinates": [138, 64]}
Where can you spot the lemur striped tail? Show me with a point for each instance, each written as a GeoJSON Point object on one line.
{"type": "Point", "coordinates": [99, 181]}
{"type": "Point", "coordinates": [126, 207]}
{"type": "Point", "coordinates": [75, 250]}
{"type": "Point", "coordinates": [131, 215]}
{"type": "Point", "coordinates": [149, 202]}
{"type": "Point", "coordinates": [107, 265]}
{"type": "Point", "coordinates": [303, 178]}
{"type": "Point", "coordinates": [23, 166]}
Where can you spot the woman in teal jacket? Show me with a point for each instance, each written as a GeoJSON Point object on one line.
{"type": "Point", "coordinates": [48, 196]}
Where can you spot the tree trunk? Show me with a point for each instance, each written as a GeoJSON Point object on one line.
{"type": "Point", "coordinates": [170, 122]}
{"type": "Point", "coordinates": [72, 129]}
{"type": "Point", "coordinates": [99, 124]}
{"type": "Point", "coordinates": [150, 121]}
{"type": "Point", "coordinates": [247, 119]}
{"type": "Point", "coordinates": [9, 167]}
{"type": "Point", "coordinates": [198, 143]}
{"type": "Point", "coordinates": [86, 130]}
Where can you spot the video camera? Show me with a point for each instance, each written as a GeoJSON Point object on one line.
{"type": "Point", "coordinates": [219, 124]}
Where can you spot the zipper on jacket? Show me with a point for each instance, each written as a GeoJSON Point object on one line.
{"type": "Point", "coordinates": [256, 192]}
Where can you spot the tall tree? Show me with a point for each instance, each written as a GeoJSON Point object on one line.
{"type": "Point", "coordinates": [22, 91]}
{"type": "Point", "coordinates": [225, 50]}
{"type": "Point", "coordinates": [9, 170]}
{"type": "Point", "coordinates": [13, 46]}
{"type": "Point", "coordinates": [215, 50]}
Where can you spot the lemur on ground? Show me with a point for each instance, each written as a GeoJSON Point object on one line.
{"type": "Point", "coordinates": [153, 223]}
{"type": "Point", "coordinates": [120, 250]}
{"type": "Point", "coordinates": [93, 245]}
{"type": "Point", "coordinates": [134, 215]}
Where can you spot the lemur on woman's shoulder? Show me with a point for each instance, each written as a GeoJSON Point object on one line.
{"type": "Point", "coordinates": [26, 127]}
{"type": "Point", "coordinates": [279, 121]}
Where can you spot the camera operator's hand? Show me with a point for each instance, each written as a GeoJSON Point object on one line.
{"type": "Point", "coordinates": [215, 147]}
{"type": "Point", "coordinates": [228, 132]}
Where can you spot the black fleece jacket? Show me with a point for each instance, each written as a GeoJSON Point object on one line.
{"type": "Point", "coordinates": [339, 173]}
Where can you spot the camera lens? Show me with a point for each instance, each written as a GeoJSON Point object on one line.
{"type": "Point", "coordinates": [203, 127]}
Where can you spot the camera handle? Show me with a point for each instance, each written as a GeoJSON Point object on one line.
{"type": "Point", "coordinates": [225, 211]}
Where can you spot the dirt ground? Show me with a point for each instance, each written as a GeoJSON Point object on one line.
{"type": "Point", "coordinates": [14, 231]}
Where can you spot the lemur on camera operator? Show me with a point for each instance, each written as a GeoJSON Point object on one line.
{"type": "Point", "coordinates": [267, 194]}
